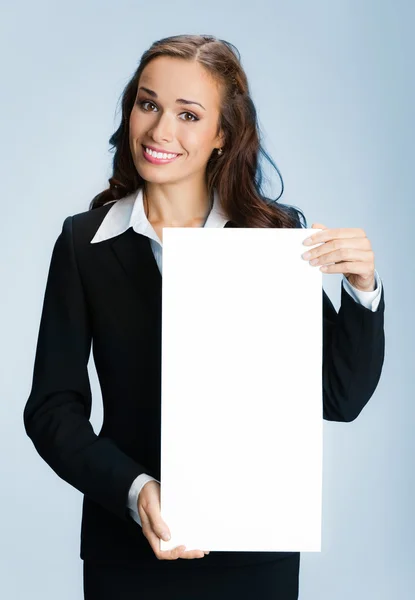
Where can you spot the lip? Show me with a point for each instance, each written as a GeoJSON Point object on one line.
{"type": "Point", "coordinates": [158, 161]}
{"type": "Point", "coordinates": [159, 149]}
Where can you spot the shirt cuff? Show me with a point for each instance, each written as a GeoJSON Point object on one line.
{"type": "Point", "coordinates": [133, 493]}
{"type": "Point", "coordinates": [370, 299]}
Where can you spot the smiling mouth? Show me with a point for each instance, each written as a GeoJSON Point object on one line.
{"type": "Point", "coordinates": [159, 157]}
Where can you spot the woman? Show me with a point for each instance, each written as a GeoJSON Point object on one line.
{"type": "Point", "coordinates": [188, 100]}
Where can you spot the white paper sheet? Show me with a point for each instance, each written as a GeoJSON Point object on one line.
{"type": "Point", "coordinates": [241, 423]}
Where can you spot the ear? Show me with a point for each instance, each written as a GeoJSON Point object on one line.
{"type": "Point", "coordinates": [220, 139]}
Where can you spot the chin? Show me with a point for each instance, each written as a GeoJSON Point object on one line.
{"type": "Point", "coordinates": [152, 177]}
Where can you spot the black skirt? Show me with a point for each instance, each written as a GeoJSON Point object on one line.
{"type": "Point", "coordinates": [276, 580]}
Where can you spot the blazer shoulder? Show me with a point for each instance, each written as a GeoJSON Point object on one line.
{"type": "Point", "coordinates": [86, 223]}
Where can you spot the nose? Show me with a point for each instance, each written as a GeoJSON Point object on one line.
{"type": "Point", "coordinates": [163, 129]}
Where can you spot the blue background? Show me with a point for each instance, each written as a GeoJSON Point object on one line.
{"type": "Point", "coordinates": [334, 89]}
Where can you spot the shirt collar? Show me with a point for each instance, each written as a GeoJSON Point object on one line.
{"type": "Point", "coordinates": [129, 212]}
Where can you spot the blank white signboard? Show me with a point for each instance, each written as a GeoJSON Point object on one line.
{"type": "Point", "coordinates": [241, 420]}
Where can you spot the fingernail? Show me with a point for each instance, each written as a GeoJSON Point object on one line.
{"type": "Point", "coordinates": [165, 536]}
{"type": "Point", "coordinates": [308, 242]}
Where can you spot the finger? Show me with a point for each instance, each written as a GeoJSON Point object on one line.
{"type": "Point", "coordinates": [336, 233]}
{"type": "Point", "coordinates": [318, 226]}
{"type": "Point", "coordinates": [154, 542]}
{"type": "Point", "coordinates": [341, 245]}
{"type": "Point", "coordinates": [154, 522]}
{"type": "Point", "coordinates": [357, 268]}
{"type": "Point", "coordinates": [189, 554]}
{"type": "Point", "coordinates": [152, 517]}
{"type": "Point", "coordinates": [340, 255]}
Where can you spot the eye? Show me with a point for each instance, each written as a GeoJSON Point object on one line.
{"type": "Point", "coordinates": [194, 118]}
{"type": "Point", "coordinates": [143, 102]}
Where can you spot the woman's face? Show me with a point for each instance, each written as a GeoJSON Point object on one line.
{"type": "Point", "coordinates": [178, 113]}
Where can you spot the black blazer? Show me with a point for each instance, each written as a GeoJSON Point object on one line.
{"type": "Point", "coordinates": [110, 293]}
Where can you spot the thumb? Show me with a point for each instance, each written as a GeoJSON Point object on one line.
{"type": "Point", "coordinates": [153, 518]}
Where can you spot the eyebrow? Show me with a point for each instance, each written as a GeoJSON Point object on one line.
{"type": "Point", "coordinates": [179, 100]}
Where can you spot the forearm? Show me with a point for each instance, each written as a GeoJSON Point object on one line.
{"type": "Point", "coordinates": [353, 356]}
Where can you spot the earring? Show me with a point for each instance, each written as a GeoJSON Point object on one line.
{"type": "Point", "coordinates": [220, 151]}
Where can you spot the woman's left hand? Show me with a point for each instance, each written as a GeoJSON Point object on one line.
{"type": "Point", "coordinates": [349, 250]}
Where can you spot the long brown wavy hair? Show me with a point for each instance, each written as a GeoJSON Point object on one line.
{"type": "Point", "coordinates": [236, 174]}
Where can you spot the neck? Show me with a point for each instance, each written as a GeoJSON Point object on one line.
{"type": "Point", "coordinates": [177, 204]}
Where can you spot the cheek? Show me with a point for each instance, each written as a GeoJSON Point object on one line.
{"type": "Point", "coordinates": [134, 126]}
{"type": "Point", "coordinates": [197, 141]}
{"type": "Point", "coordinates": [138, 123]}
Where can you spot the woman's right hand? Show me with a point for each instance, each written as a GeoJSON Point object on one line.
{"type": "Point", "coordinates": [154, 527]}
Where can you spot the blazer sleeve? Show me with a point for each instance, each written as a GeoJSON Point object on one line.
{"type": "Point", "coordinates": [353, 356]}
{"type": "Point", "coordinates": [56, 415]}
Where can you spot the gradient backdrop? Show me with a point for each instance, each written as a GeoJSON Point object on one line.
{"type": "Point", "coordinates": [333, 85]}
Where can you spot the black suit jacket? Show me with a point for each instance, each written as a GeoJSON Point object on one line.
{"type": "Point", "coordinates": [110, 293]}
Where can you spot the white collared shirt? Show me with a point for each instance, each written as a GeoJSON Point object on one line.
{"type": "Point", "coordinates": [129, 212]}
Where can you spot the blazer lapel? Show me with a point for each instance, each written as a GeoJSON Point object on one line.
{"type": "Point", "coordinates": [136, 257]}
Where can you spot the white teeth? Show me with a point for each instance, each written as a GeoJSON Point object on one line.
{"type": "Point", "coordinates": [160, 154]}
